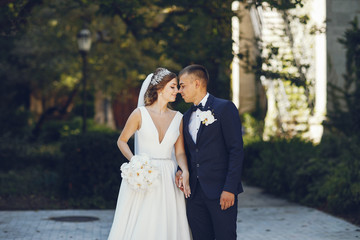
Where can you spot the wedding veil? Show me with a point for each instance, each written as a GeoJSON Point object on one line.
{"type": "Point", "coordinates": [141, 102]}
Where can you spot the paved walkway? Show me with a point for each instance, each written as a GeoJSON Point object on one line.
{"type": "Point", "coordinates": [261, 217]}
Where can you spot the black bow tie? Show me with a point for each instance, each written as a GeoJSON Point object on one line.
{"type": "Point", "coordinates": [195, 107]}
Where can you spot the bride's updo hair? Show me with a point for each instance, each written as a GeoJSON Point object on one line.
{"type": "Point", "coordinates": [158, 81]}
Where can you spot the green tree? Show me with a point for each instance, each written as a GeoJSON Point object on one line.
{"type": "Point", "coordinates": [130, 39]}
{"type": "Point", "coordinates": [51, 65]}
{"type": "Point", "coordinates": [14, 91]}
{"type": "Point", "coordinates": [344, 115]}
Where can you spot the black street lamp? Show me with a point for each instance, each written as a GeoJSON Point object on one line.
{"type": "Point", "coordinates": [84, 44]}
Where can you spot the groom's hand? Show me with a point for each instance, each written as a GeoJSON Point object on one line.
{"type": "Point", "coordinates": [227, 200]}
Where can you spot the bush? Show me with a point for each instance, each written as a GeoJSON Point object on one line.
{"type": "Point", "coordinates": [18, 154]}
{"type": "Point", "coordinates": [14, 122]}
{"type": "Point", "coordinates": [340, 187]}
{"type": "Point", "coordinates": [54, 130]}
{"type": "Point", "coordinates": [80, 171]}
{"type": "Point", "coordinates": [30, 181]}
{"type": "Point", "coordinates": [325, 176]}
{"type": "Point", "coordinates": [91, 169]}
{"type": "Point", "coordinates": [12, 153]}
{"type": "Point", "coordinates": [273, 165]}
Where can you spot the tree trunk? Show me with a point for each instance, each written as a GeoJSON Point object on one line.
{"type": "Point", "coordinates": [103, 110]}
{"type": "Point", "coordinates": [61, 110]}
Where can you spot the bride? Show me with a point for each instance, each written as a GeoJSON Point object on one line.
{"type": "Point", "coordinates": [159, 213]}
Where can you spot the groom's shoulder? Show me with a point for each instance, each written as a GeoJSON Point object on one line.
{"type": "Point", "coordinates": [220, 100]}
{"type": "Point", "coordinates": [222, 103]}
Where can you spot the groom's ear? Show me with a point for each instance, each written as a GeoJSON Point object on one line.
{"type": "Point", "coordinates": [197, 83]}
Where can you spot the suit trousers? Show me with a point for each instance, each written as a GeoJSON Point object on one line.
{"type": "Point", "coordinates": [206, 219]}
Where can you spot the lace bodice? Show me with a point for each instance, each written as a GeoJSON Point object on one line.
{"type": "Point", "coordinates": [147, 140]}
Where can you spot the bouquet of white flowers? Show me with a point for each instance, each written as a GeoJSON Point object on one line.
{"type": "Point", "coordinates": [139, 173]}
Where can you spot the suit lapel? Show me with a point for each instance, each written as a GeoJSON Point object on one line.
{"type": "Point", "coordinates": [187, 135]}
{"type": "Point", "coordinates": [208, 106]}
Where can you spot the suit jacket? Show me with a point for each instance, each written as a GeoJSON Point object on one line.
{"type": "Point", "coordinates": [215, 160]}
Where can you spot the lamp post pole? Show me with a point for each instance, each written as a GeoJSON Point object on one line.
{"type": "Point", "coordinates": [84, 43]}
{"type": "Point", "coordinates": [84, 58]}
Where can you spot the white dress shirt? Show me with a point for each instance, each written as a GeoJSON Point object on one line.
{"type": "Point", "coordinates": [194, 122]}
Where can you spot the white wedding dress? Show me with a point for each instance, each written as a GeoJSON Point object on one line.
{"type": "Point", "coordinates": [159, 214]}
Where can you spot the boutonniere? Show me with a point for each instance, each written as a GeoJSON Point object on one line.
{"type": "Point", "coordinates": [207, 117]}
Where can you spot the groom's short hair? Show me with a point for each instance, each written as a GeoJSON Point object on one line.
{"type": "Point", "coordinates": [198, 70]}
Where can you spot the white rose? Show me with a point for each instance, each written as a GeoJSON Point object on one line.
{"type": "Point", "coordinates": [140, 173]}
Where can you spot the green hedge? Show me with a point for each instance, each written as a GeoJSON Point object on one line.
{"type": "Point", "coordinates": [325, 176]}
{"type": "Point", "coordinates": [81, 171]}
{"type": "Point", "coordinates": [91, 169]}
{"type": "Point", "coordinates": [29, 182]}
{"type": "Point", "coordinates": [339, 188]}
{"type": "Point", "coordinates": [274, 165]}
{"type": "Point", "coordinates": [18, 154]}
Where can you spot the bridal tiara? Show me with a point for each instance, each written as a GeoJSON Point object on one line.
{"type": "Point", "coordinates": [159, 76]}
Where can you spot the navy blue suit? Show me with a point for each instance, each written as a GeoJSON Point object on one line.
{"type": "Point", "coordinates": [215, 165]}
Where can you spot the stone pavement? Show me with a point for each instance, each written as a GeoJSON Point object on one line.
{"type": "Point", "coordinates": [260, 217]}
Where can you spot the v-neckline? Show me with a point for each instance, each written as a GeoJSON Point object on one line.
{"type": "Point", "coordinates": [157, 131]}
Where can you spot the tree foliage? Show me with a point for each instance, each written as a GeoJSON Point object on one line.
{"type": "Point", "coordinates": [130, 39]}
{"type": "Point", "coordinates": [344, 116]}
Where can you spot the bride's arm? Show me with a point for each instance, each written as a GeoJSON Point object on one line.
{"type": "Point", "coordinates": [132, 124]}
{"type": "Point", "coordinates": [182, 161]}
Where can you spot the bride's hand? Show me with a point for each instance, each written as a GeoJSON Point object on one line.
{"type": "Point", "coordinates": [185, 183]}
{"type": "Point", "coordinates": [178, 180]}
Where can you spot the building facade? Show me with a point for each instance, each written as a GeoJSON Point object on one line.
{"type": "Point", "coordinates": [299, 44]}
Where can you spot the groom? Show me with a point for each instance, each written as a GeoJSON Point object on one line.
{"type": "Point", "coordinates": [214, 149]}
